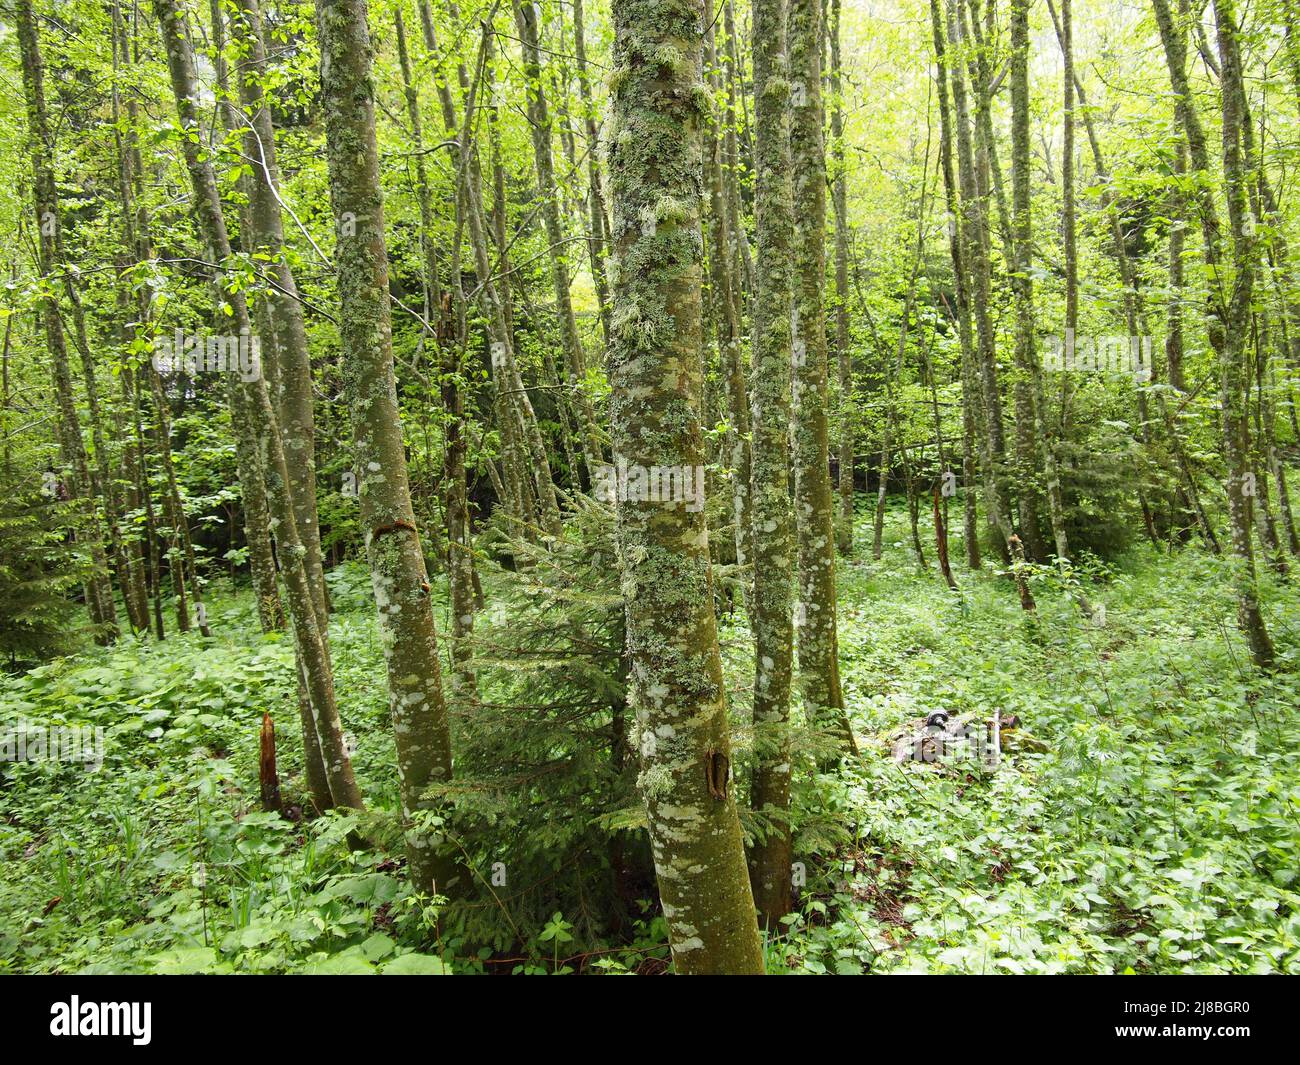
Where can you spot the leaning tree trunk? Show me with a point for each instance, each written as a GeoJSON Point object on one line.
{"type": "Point", "coordinates": [251, 403]}
{"type": "Point", "coordinates": [293, 399]}
{"type": "Point", "coordinates": [676, 687]}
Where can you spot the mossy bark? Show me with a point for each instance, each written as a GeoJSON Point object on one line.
{"type": "Point", "coordinates": [770, 409]}
{"type": "Point", "coordinates": [819, 668]}
{"type": "Point", "coordinates": [397, 568]}
{"type": "Point", "coordinates": [676, 689]}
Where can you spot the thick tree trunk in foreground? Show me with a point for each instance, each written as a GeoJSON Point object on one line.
{"type": "Point", "coordinates": [397, 569]}
{"type": "Point", "coordinates": [656, 158]}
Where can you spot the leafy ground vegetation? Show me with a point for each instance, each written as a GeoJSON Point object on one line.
{"type": "Point", "coordinates": [643, 486]}
{"type": "Point", "coordinates": [1145, 820]}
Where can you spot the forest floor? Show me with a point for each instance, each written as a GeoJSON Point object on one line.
{"type": "Point", "coordinates": [1145, 814]}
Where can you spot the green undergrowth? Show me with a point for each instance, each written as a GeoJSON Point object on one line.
{"type": "Point", "coordinates": [1145, 815]}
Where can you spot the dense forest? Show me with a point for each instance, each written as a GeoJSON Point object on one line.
{"type": "Point", "coordinates": [649, 486]}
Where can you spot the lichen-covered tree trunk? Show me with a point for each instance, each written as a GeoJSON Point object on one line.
{"type": "Point", "coordinates": [770, 403]}
{"type": "Point", "coordinates": [819, 669]}
{"type": "Point", "coordinates": [101, 608]}
{"type": "Point", "coordinates": [251, 404]}
{"type": "Point", "coordinates": [676, 688]}
{"type": "Point", "coordinates": [843, 340]}
{"type": "Point", "coordinates": [1227, 321]}
{"type": "Point", "coordinates": [397, 569]}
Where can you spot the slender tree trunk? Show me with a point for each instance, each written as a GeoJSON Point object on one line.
{"type": "Point", "coordinates": [460, 558]}
{"type": "Point", "coordinates": [961, 287]}
{"type": "Point", "coordinates": [774, 548]}
{"type": "Point", "coordinates": [102, 610]}
{"type": "Point", "coordinates": [1174, 318]}
{"type": "Point", "coordinates": [251, 403]}
{"type": "Point", "coordinates": [1227, 320]}
{"type": "Point", "coordinates": [819, 671]}
{"type": "Point", "coordinates": [397, 567]}
{"type": "Point", "coordinates": [598, 239]}
{"type": "Point", "coordinates": [656, 154]}
{"type": "Point", "coordinates": [843, 340]}
{"type": "Point", "coordinates": [730, 350]}
{"type": "Point", "coordinates": [292, 399]}
{"type": "Point", "coordinates": [973, 229]}
{"type": "Point", "coordinates": [894, 379]}
{"type": "Point", "coordinates": [1026, 384]}
{"type": "Point", "coordinates": [543, 160]}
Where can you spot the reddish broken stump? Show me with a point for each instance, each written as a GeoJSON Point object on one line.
{"type": "Point", "coordinates": [1018, 567]}
{"type": "Point", "coordinates": [270, 779]}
